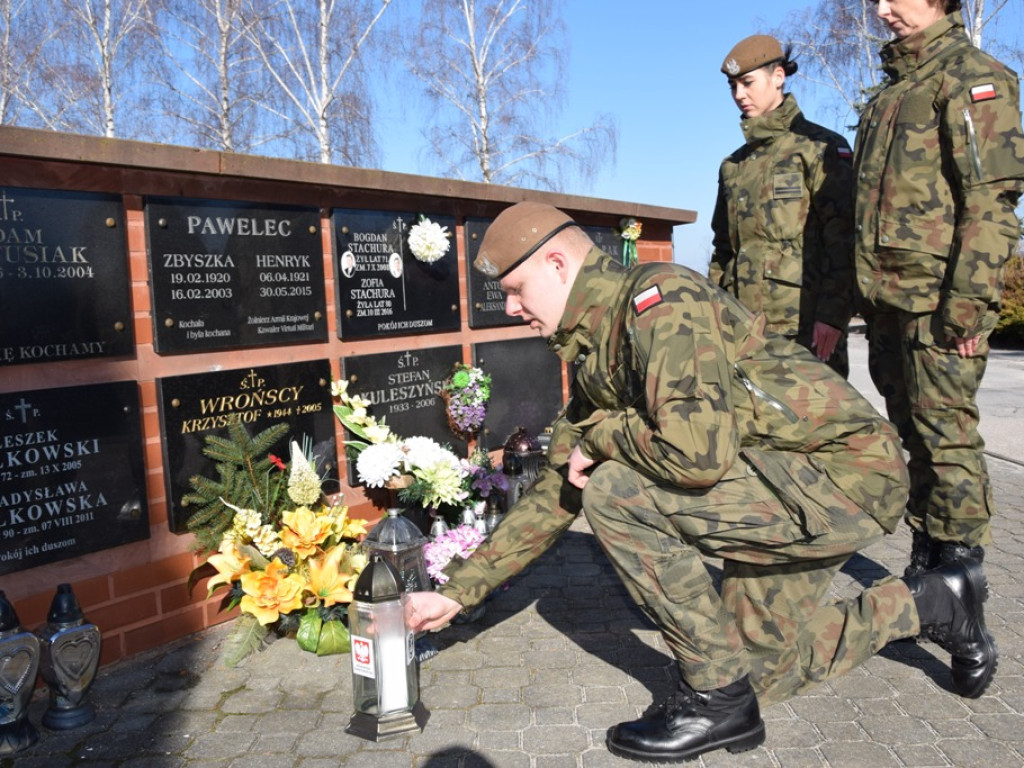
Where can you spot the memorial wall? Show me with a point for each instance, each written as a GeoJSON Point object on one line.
{"type": "Point", "coordinates": [155, 295]}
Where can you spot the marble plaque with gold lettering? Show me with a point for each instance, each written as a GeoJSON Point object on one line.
{"type": "Point", "coordinates": [200, 404]}
{"type": "Point", "coordinates": [72, 479]}
{"type": "Point", "coordinates": [64, 288]}
{"type": "Point", "coordinates": [234, 274]}
{"type": "Point", "coordinates": [526, 387]}
{"type": "Point", "coordinates": [383, 287]}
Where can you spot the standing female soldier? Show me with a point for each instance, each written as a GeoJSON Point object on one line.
{"type": "Point", "coordinates": [783, 222]}
{"type": "Point", "coordinates": [940, 168]}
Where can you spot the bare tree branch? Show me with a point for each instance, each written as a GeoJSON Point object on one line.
{"type": "Point", "coordinates": [312, 50]}
{"type": "Point", "coordinates": [87, 67]}
{"type": "Point", "coordinates": [494, 79]}
{"type": "Point", "coordinates": [210, 77]}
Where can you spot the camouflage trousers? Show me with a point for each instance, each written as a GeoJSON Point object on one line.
{"type": "Point", "coordinates": [769, 620]}
{"type": "Point", "coordinates": [930, 393]}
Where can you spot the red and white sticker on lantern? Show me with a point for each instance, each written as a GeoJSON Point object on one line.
{"type": "Point", "coordinates": [362, 657]}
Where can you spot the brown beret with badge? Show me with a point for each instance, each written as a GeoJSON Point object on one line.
{"type": "Point", "coordinates": [516, 234]}
{"type": "Point", "coordinates": [750, 53]}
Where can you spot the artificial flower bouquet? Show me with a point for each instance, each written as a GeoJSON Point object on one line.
{"type": "Point", "coordinates": [466, 392]}
{"type": "Point", "coordinates": [484, 478]}
{"type": "Point", "coordinates": [290, 566]}
{"type": "Point", "coordinates": [460, 541]}
{"type": "Point", "coordinates": [423, 472]}
{"type": "Point", "coordinates": [629, 230]}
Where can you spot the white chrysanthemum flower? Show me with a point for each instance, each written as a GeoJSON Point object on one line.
{"type": "Point", "coordinates": [428, 241]}
{"type": "Point", "coordinates": [379, 463]}
{"type": "Point", "coordinates": [339, 388]}
{"type": "Point", "coordinates": [303, 481]}
{"type": "Point", "coordinates": [421, 451]}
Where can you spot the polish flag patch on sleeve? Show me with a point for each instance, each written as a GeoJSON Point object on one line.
{"type": "Point", "coordinates": [983, 92]}
{"type": "Point", "coordinates": [647, 299]}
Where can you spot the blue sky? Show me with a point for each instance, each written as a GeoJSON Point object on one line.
{"type": "Point", "coordinates": [654, 65]}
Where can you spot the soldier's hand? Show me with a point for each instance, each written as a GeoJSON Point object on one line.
{"type": "Point", "coordinates": [578, 466]}
{"type": "Point", "coordinates": [825, 340]}
{"type": "Point", "coordinates": [429, 610]}
{"type": "Point", "coordinates": [966, 347]}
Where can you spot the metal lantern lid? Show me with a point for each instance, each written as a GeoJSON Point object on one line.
{"type": "Point", "coordinates": [8, 616]}
{"type": "Point", "coordinates": [394, 534]}
{"type": "Point", "coordinates": [378, 583]}
{"type": "Point", "coordinates": [521, 441]}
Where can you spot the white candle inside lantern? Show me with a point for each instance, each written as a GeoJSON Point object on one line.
{"type": "Point", "coordinates": [392, 669]}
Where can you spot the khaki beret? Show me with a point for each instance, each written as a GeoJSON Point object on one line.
{"type": "Point", "coordinates": [751, 53]}
{"type": "Point", "coordinates": [516, 234]}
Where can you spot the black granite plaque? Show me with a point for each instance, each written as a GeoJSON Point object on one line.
{"type": "Point", "coordinates": [72, 479]}
{"type": "Point", "coordinates": [232, 274]}
{"type": "Point", "coordinates": [196, 405]}
{"type": "Point", "coordinates": [64, 288]}
{"type": "Point", "coordinates": [607, 239]}
{"type": "Point", "coordinates": [526, 387]}
{"type": "Point", "coordinates": [383, 289]}
{"type": "Point", "coordinates": [403, 390]}
{"type": "Point", "coordinates": [486, 299]}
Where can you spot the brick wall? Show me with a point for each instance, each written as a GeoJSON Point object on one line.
{"type": "Point", "coordinates": [136, 593]}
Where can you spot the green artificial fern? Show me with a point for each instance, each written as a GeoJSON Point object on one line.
{"type": "Point", "coordinates": [247, 636]}
{"type": "Point", "coordinates": [246, 478]}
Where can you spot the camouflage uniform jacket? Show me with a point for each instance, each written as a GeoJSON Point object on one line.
{"type": "Point", "coordinates": [677, 380]}
{"type": "Point", "coordinates": [783, 222]}
{"type": "Point", "coordinates": [940, 166]}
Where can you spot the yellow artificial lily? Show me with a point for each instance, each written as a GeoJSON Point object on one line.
{"type": "Point", "coordinates": [357, 561]}
{"type": "Point", "coordinates": [347, 527]}
{"type": "Point", "coordinates": [304, 531]}
{"type": "Point", "coordinates": [272, 592]}
{"type": "Point", "coordinates": [327, 580]}
{"type": "Point", "coordinates": [230, 565]}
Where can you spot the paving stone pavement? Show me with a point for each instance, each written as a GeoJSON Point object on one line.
{"type": "Point", "coordinates": [557, 658]}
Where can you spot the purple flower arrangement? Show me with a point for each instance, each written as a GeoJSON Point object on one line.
{"type": "Point", "coordinates": [466, 392]}
{"type": "Point", "coordinates": [484, 478]}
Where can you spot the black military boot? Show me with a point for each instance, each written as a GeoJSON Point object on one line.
{"type": "Point", "coordinates": [691, 723]}
{"type": "Point", "coordinates": [950, 551]}
{"type": "Point", "coordinates": [923, 554]}
{"type": "Point", "coordinates": [949, 602]}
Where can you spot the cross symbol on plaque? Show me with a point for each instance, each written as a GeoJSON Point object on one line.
{"type": "Point", "coordinates": [4, 200]}
{"type": "Point", "coordinates": [23, 408]}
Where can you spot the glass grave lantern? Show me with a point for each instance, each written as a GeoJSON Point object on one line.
{"type": "Point", "coordinates": [400, 543]}
{"type": "Point", "coordinates": [19, 662]}
{"type": "Point", "coordinates": [523, 456]}
{"type": "Point", "coordinates": [70, 657]}
{"type": "Point", "coordinates": [385, 674]}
